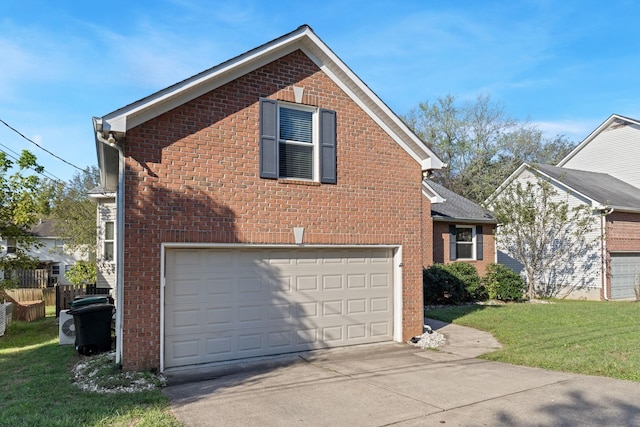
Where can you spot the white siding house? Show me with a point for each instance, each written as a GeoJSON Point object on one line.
{"type": "Point", "coordinates": [613, 148]}
{"type": "Point", "coordinates": [602, 173]}
{"type": "Point", "coordinates": [54, 259]}
{"type": "Point", "coordinates": [106, 241]}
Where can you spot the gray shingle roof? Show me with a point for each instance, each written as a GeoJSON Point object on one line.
{"type": "Point", "coordinates": [601, 187]}
{"type": "Point", "coordinates": [456, 207]}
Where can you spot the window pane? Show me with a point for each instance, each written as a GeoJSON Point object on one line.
{"type": "Point", "coordinates": [296, 161]}
{"type": "Point", "coordinates": [463, 235]}
{"type": "Point", "coordinates": [296, 125]}
{"type": "Point", "coordinates": [108, 230]}
{"type": "Point", "coordinates": [108, 251]}
{"type": "Point", "coordinates": [464, 250]}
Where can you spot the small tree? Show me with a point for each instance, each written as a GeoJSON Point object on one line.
{"type": "Point", "coordinates": [82, 272]}
{"type": "Point", "coordinates": [75, 213]}
{"type": "Point", "coordinates": [540, 230]}
{"type": "Point", "coordinates": [23, 202]}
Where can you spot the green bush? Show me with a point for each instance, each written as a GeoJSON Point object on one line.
{"type": "Point", "coordinates": [467, 273]}
{"type": "Point", "coordinates": [503, 284]}
{"type": "Point", "coordinates": [441, 286]}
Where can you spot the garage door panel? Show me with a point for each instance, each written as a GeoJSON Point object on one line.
{"type": "Point", "coordinates": [229, 304]}
{"type": "Point", "coordinates": [625, 271]}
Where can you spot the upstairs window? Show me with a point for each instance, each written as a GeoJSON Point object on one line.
{"type": "Point", "coordinates": [297, 142]}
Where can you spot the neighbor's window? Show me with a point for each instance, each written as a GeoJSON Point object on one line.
{"type": "Point", "coordinates": [11, 246]}
{"type": "Point", "coordinates": [108, 240]}
{"type": "Point", "coordinates": [55, 269]}
{"type": "Point", "coordinates": [464, 242]}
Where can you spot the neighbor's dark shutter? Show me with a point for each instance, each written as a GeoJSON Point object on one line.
{"type": "Point", "coordinates": [452, 243]}
{"type": "Point", "coordinates": [268, 138]}
{"type": "Point", "coordinates": [479, 242]}
{"type": "Point", "coordinates": [328, 154]}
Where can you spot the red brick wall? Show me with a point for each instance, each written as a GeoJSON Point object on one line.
{"type": "Point", "coordinates": [441, 240]}
{"type": "Point", "coordinates": [193, 176]}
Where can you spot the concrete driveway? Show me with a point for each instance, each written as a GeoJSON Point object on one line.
{"type": "Point", "coordinates": [398, 384]}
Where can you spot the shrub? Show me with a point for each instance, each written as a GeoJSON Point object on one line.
{"type": "Point", "coordinates": [441, 287]}
{"type": "Point", "coordinates": [503, 284]}
{"type": "Point", "coordinates": [467, 273]}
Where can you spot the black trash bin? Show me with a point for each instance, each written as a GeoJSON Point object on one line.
{"type": "Point", "coordinates": [93, 328]}
{"type": "Point", "coordinates": [88, 300]}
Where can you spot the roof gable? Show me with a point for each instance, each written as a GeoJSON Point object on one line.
{"type": "Point", "coordinates": [118, 122]}
{"type": "Point", "coordinates": [600, 189]}
{"type": "Point", "coordinates": [614, 121]}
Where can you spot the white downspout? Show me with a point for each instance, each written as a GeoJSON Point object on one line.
{"type": "Point", "coordinates": [603, 240]}
{"type": "Point", "coordinates": [111, 142]}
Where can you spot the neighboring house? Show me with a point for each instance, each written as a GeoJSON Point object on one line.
{"type": "Point", "coordinates": [461, 229]}
{"type": "Point", "coordinates": [106, 241]}
{"type": "Point", "coordinates": [268, 205]}
{"type": "Point", "coordinates": [602, 173]}
{"type": "Point", "coordinates": [54, 260]}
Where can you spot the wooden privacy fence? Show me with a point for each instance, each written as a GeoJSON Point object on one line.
{"type": "Point", "coordinates": [67, 293]}
{"type": "Point", "coordinates": [37, 278]}
{"type": "Point", "coordinates": [29, 303]}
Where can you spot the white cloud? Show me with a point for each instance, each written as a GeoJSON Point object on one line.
{"type": "Point", "coordinates": [576, 129]}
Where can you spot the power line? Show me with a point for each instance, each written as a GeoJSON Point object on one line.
{"type": "Point", "coordinates": [51, 176]}
{"type": "Point", "coordinates": [40, 172]}
{"type": "Point", "coordinates": [40, 147]}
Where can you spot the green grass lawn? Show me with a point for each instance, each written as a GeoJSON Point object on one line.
{"type": "Point", "coordinates": [593, 338]}
{"type": "Point", "coordinates": [36, 386]}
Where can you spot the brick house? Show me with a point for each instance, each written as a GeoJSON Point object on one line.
{"type": "Point", "coordinates": [601, 172]}
{"type": "Point", "coordinates": [461, 230]}
{"type": "Point", "coordinates": [268, 205]}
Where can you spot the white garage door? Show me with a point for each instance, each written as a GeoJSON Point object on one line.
{"type": "Point", "coordinates": [625, 270]}
{"type": "Point", "coordinates": [223, 304]}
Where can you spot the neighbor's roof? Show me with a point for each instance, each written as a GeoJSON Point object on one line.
{"type": "Point", "coordinates": [600, 187]}
{"type": "Point", "coordinates": [44, 229]}
{"type": "Point", "coordinates": [303, 38]}
{"type": "Point", "coordinates": [447, 205]}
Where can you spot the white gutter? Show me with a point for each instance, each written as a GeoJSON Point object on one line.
{"type": "Point", "coordinates": [111, 142]}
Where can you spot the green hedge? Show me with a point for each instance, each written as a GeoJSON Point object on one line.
{"type": "Point", "coordinates": [459, 282]}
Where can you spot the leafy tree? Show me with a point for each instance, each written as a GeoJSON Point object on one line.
{"type": "Point", "coordinates": [82, 272]}
{"type": "Point", "coordinates": [23, 202]}
{"type": "Point", "coordinates": [481, 144]}
{"type": "Point", "coordinates": [540, 230]}
{"type": "Point", "coordinates": [75, 213]}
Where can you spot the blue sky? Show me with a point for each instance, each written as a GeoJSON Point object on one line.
{"type": "Point", "coordinates": [564, 65]}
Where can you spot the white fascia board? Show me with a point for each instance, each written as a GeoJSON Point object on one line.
{"type": "Point", "coordinates": [505, 183]}
{"type": "Point", "coordinates": [566, 188]}
{"type": "Point", "coordinates": [178, 94]}
{"type": "Point", "coordinates": [431, 194]}
{"type": "Point", "coordinates": [593, 134]}
{"type": "Point", "coordinates": [305, 39]}
{"type": "Point", "coordinates": [538, 172]}
{"type": "Point", "coordinates": [366, 99]}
